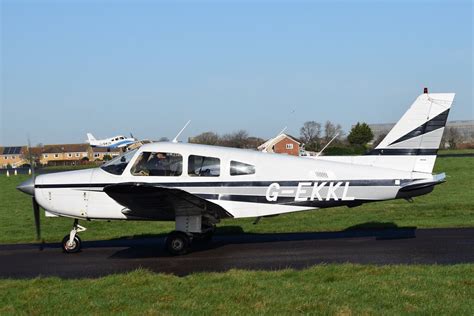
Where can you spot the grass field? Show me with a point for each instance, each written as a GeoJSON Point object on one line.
{"type": "Point", "coordinates": [336, 289]}
{"type": "Point", "coordinates": [455, 151]}
{"type": "Point", "coordinates": [325, 289]}
{"type": "Point", "coordinates": [450, 205]}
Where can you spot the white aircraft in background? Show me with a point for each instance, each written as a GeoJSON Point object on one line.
{"type": "Point", "coordinates": [113, 142]}
{"type": "Point", "coordinates": [198, 185]}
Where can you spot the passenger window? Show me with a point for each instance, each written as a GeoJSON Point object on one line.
{"type": "Point", "coordinates": [240, 168]}
{"type": "Point", "coordinates": [201, 166]}
{"type": "Point", "coordinates": [158, 164]}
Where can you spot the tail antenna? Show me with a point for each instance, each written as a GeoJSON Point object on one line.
{"type": "Point", "coordinates": [282, 131]}
{"type": "Point", "coordinates": [335, 136]}
{"type": "Point", "coordinates": [175, 139]}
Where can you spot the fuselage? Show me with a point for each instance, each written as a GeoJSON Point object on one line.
{"type": "Point", "coordinates": [245, 183]}
{"type": "Point", "coordinates": [113, 142]}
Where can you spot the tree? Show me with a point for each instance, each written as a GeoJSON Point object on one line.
{"type": "Point", "coordinates": [207, 138]}
{"type": "Point", "coordinates": [238, 139]}
{"type": "Point", "coordinates": [452, 137]}
{"type": "Point", "coordinates": [254, 142]}
{"type": "Point", "coordinates": [310, 134]}
{"type": "Point", "coordinates": [107, 157]}
{"type": "Point", "coordinates": [331, 130]}
{"type": "Point", "coordinates": [379, 139]}
{"type": "Point", "coordinates": [163, 139]}
{"type": "Point", "coordinates": [360, 134]}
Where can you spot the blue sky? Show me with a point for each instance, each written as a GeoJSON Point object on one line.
{"type": "Point", "coordinates": [108, 67]}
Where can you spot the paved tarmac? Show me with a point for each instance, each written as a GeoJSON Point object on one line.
{"type": "Point", "coordinates": [243, 251]}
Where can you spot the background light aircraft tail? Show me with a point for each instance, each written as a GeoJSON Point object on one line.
{"type": "Point", "coordinates": [412, 144]}
{"type": "Point", "coordinates": [90, 137]}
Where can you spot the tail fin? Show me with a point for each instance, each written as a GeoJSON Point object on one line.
{"type": "Point", "coordinates": [418, 133]}
{"type": "Point", "coordinates": [90, 137]}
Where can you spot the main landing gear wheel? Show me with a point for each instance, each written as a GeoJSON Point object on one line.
{"type": "Point", "coordinates": [207, 234]}
{"type": "Point", "coordinates": [178, 243]}
{"type": "Point", "coordinates": [73, 246]}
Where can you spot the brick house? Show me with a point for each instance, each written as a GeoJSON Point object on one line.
{"type": "Point", "coordinates": [64, 154]}
{"type": "Point", "coordinates": [282, 144]}
{"type": "Point", "coordinates": [13, 156]}
{"type": "Point", "coordinates": [98, 153]}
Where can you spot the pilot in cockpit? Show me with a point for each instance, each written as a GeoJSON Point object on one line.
{"type": "Point", "coordinates": [157, 164]}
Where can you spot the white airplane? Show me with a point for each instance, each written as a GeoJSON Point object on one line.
{"type": "Point", "coordinates": [113, 142]}
{"type": "Point", "coordinates": [198, 185]}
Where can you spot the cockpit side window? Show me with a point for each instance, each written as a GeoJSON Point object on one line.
{"type": "Point", "coordinates": [117, 165]}
{"type": "Point", "coordinates": [158, 164]}
{"type": "Point", "coordinates": [239, 168]}
{"type": "Point", "coordinates": [202, 166]}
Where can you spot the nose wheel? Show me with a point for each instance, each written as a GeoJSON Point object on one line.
{"type": "Point", "coordinates": [72, 246]}
{"type": "Point", "coordinates": [71, 242]}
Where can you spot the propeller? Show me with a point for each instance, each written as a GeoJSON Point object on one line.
{"type": "Point", "coordinates": [36, 207]}
{"type": "Point", "coordinates": [36, 213]}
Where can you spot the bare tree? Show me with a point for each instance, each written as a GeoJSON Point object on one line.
{"type": "Point", "coordinates": [331, 130]}
{"type": "Point", "coordinates": [238, 139]}
{"type": "Point", "coordinates": [310, 132]}
{"type": "Point", "coordinates": [254, 142]}
{"type": "Point", "coordinates": [451, 137]}
{"type": "Point", "coordinates": [207, 138]}
{"type": "Point", "coordinates": [379, 139]}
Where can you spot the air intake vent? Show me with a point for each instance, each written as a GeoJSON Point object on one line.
{"type": "Point", "coordinates": [321, 174]}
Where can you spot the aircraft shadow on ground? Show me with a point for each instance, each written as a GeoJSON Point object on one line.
{"type": "Point", "coordinates": [143, 246]}
{"type": "Point", "coordinates": [152, 245]}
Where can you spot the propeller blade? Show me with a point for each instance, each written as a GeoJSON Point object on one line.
{"type": "Point", "coordinates": [36, 213]}
{"type": "Point", "coordinates": [32, 165]}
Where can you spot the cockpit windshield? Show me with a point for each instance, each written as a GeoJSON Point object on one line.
{"type": "Point", "coordinates": [117, 165]}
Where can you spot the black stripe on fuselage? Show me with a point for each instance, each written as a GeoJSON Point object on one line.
{"type": "Point", "coordinates": [385, 182]}
{"type": "Point", "coordinates": [283, 200]}
{"type": "Point", "coordinates": [403, 152]}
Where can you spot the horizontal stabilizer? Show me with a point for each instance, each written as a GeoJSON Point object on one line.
{"type": "Point", "coordinates": [424, 183]}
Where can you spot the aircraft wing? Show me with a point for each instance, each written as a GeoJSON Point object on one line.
{"type": "Point", "coordinates": [146, 201]}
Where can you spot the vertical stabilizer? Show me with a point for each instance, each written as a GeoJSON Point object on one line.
{"type": "Point", "coordinates": [419, 131]}
{"type": "Point", "coordinates": [90, 137]}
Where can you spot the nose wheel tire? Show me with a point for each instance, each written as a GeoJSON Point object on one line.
{"type": "Point", "coordinates": [178, 243]}
{"type": "Point", "coordinates": [73, 246]}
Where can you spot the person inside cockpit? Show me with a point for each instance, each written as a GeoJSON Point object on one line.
{"type": "Point", "coordinates": [157, 164]}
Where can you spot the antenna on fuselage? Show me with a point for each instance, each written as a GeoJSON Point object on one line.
{"type": "Point", "coordinates": [282, 131]}
{"type": "Point", "coordinates": [175, 139]}
{"type": "Point", "coordinates": [335, 136]}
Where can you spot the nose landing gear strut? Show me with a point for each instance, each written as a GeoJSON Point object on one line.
{"type": "Point", "coordinates": [71, 242]}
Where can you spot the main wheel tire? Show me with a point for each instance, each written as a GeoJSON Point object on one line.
{"type": "Point", "coordinates": [205, 237]}
{"type": "Point", "coordinates": [178, 243]}
{"type": "Point", "coordinates": [75, 245]}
